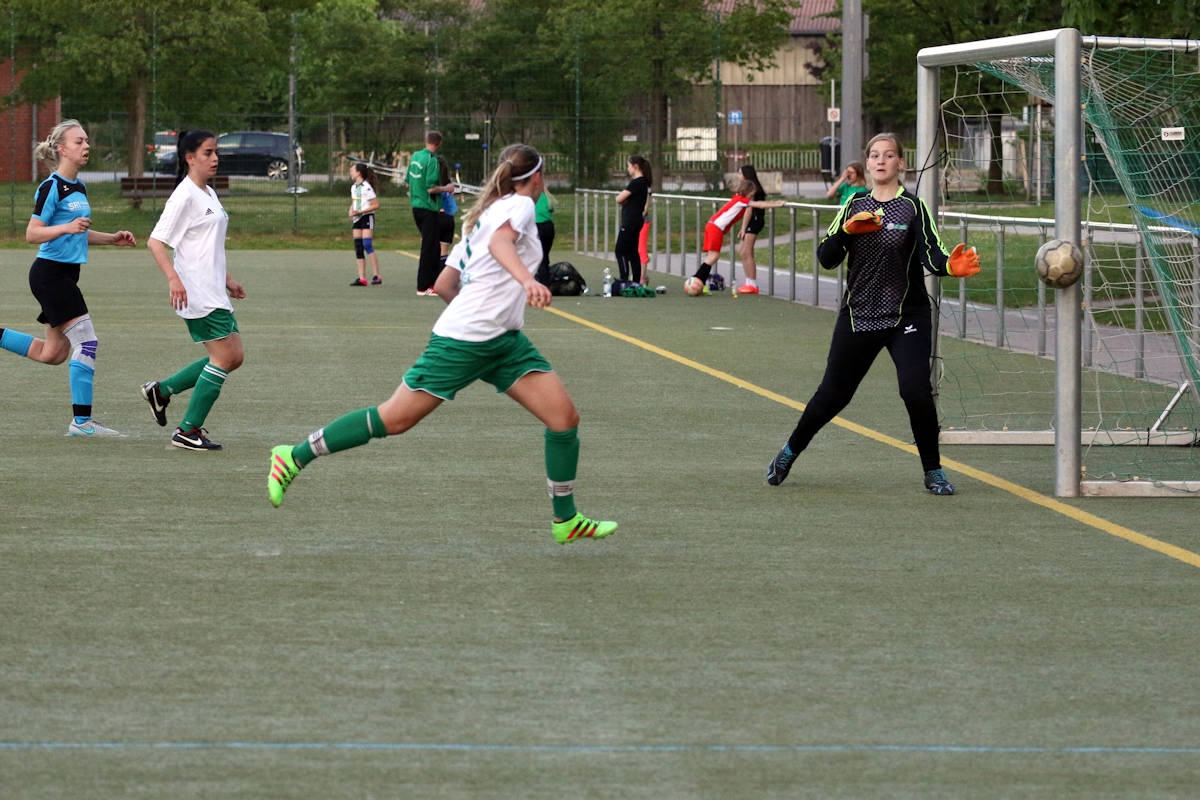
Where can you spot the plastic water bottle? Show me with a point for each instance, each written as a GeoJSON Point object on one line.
{"type": "Point", "coordinates": [607, 282]}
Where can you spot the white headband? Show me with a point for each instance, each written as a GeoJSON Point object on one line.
{"type": "Point", "coordinates": [531, 172]}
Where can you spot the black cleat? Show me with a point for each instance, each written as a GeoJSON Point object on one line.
{"type": "Point", "coordinates": [195, 439]}
{"type": "Point", "coordinates": [936, 483]}
{"type": "Point", "coordinates": [780, 466]}
{"type": "Point", "coordinates": [158, 403]}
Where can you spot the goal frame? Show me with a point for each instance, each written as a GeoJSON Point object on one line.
{"type": "Point", "coordinates": [1065, 45]}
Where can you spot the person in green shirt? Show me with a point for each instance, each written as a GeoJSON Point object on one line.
{"type": "Point", "coordinates": [852, 181]}
{"type": "Point", "coordinates": [544, 219]}
{"type": "Point", "coordinates": [425, 192]}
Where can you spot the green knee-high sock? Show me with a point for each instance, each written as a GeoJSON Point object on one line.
{"type": "Point", "coordinates": [562, 457]}
{"type": "Point", "coordinates": [183, 380]}
{"type": "Point", "coordinates": [350, 430]}
{"type": "Point", "coordinates": [208, 389]}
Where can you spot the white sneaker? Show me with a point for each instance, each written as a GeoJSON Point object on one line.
{"type": "Point", "coordinates": [89, 428]}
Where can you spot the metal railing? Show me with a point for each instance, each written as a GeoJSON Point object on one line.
{"type": "Point", "coordinates": [795, 230]}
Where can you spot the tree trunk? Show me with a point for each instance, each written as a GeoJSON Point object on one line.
{"type": "Point", "coordinates": [658, 124]}
{"type": "Point", "coordinates": [995, 180]}
{"type": "Point", "coordinates": [658, 106]}
{"type": "Point", "coordinates": [135, 126]}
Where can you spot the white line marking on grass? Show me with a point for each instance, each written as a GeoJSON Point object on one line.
{"type": "Point", "coordinates": [1029, 495]}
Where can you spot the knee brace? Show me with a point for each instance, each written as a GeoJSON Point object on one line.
{"type": "Point", "coordinates": [82, 337]}
{"type": "Point", "coordinates": [367, 246]}
{"type": "Point", "coordinates": [358, 248]}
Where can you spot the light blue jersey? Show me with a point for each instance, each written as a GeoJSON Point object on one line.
{"type": "Point", "coordinates": [56, 202]}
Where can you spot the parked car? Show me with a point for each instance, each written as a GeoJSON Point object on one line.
{"type": "Point", "coordinates": [254, 153]}
{"type": "Point", "coordinates": [243, 153]}
{"type": "Point", "coordinates": [163, 150]}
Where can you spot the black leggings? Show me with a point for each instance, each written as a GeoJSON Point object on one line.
{"type": "Point", "coordinates": [850, 357]}
{"type": "Point", "coordinates": [429, 265]}
{"type": "Point", "coordinates": [546, 235]}
{"type": "Point", "coordinates": [629, 263]}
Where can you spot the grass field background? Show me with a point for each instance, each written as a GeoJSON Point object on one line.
{"type": "Point", "coordinates": [405, 626]}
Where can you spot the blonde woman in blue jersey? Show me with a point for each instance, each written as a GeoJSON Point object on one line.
{"type": "Point", "coordinates": [488, 281]}
{"type": "Point", "coordinates": [888, 239]}
{"type": "Point", "coordinates": [61, 226]}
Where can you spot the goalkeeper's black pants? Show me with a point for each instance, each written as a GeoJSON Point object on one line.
{"type": "Point", "coordinates": [850, 357]}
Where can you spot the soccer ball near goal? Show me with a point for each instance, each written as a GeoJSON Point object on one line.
{"type": "Point", "coordinates": [693, 286]}
{"type": "Point", "coordinates": [1059, 264]}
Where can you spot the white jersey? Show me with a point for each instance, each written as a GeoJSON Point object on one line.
{"type": "Point", "coordinates": [490, 302]}
{"type": "Point", "coordinates": [361, 195]}
{"type": "Point", "coordinates": [194, 222]}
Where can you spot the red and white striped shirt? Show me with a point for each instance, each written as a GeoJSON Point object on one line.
{"type": "Point", "coordinates": [730, 213]}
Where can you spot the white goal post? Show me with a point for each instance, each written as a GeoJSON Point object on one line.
{"type": "Point", "coordinates": [1066, 48]}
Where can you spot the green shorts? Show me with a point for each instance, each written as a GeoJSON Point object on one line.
{"type": "Point", "coordinates": [217, 325]}
{"type": "Point", "coordinates": [448, 365]}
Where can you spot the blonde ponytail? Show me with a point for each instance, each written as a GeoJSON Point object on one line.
{"type": "Point", "coordinates": [516, 159]}
{"type": "Point", "coordinates": [47, 150]}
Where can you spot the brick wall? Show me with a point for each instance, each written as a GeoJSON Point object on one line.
{"type": "Point", "coordinates": [17, 134]}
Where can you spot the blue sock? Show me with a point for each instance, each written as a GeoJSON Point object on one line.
{"type": "Point", "coordinates": [15, 341]}
{"type": "Point", "coordinates": [81, 390]}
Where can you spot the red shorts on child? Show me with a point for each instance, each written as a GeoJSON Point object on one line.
{"type": "Point", "coordinates": [713, 237]}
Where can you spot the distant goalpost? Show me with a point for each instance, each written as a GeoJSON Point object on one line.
{"type": "Point", "coordinates": [1141, 242]}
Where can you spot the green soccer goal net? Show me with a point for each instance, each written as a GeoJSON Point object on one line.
{"type": "Point", "coordinates": [1133, 168]}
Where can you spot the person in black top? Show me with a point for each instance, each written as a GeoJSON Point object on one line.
{"type": "Point", "coordinates": [752, 225]}
{"type": "Point", "coordinates": [634, 200]}
{"type": "Point", "coordinates": [890, 241]}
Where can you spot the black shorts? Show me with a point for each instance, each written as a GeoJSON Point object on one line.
{"type": "Point", "coordinates": [56, 287]}
{"type": "Point", "coordinates": [757, 221]}
{"type": "Point", "coordinates": [364, 223]}
{"type": "Point", "coordinates": [445, 228]}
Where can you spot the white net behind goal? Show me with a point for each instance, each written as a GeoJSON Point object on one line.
{"type": "Point", "coordinates": [1141, 322]}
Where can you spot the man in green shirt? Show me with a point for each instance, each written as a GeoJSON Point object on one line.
{"type": "Point", "coordinates": [425, 193]}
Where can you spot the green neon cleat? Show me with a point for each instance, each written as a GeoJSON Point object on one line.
{"type": "Point", "coordinates": [284, 470]}
{"type": "Point", "coordinates": [580, 527]}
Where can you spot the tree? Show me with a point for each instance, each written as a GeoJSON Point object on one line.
{"type": "Point", "coordinates": [1161, 19]}
{"type": "Point", "coordinates": [899, 30]}
{"type": "Point", "coordinates": [201, 59]}
{"type": "Point", "coordinates": [661, 48]}
{"type": "Point", "coordinates": [354, 59]}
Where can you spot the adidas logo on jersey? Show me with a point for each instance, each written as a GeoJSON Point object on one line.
{"type": "Point", "coordinates": [207, 211]}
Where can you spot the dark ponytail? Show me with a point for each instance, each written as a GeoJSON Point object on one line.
{"type": "Point", "coordinates": [368, 174]}
{"type": "Point", "coordinates": [751, 174]}
{"type": "Point", "coordinates": [188, 142]}
{"type": "Point", "coordinates": [644, 165]}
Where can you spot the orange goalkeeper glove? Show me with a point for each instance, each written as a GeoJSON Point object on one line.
{"type": "Point", "coordinates": [963, 262]}
{"type": "Point", "coordinates": [863, 222]}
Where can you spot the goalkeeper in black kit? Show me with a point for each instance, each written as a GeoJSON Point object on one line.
{"type": "Point", "coordinates": [889, 241]}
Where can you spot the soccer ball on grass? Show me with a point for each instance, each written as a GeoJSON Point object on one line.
{"type": "Point", "coordinates": [693, 286]}
{"type": "Point", "coordinates": [1059, 263]}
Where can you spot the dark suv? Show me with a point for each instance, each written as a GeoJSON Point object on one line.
{"type": "Point", "coordinates": [244, 153]}
{"type": "Point", "coordinates": [254, 153]}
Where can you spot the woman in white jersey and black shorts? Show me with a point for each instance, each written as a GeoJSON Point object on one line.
{"type": "Point", "coordinates": [488, 281]}
{"type": "Point", "coordinates": [194, 223]}
{"type": "Point", "coordinates": [363, 205]}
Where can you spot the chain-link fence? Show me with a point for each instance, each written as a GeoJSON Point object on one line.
{"type": "Point", "coordinates": [296, 98]}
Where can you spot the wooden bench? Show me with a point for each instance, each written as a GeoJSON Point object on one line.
{"type": "Point", "coordinates": [142, 186]}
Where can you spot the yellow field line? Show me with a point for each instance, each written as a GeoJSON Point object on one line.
{"type": "Point", "coordinates": [1112, 528]}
